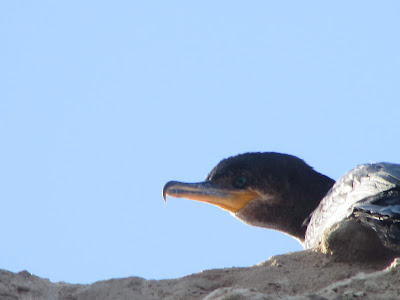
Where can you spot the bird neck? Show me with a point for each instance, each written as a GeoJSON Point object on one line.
{"type": "Point", "coordinates": [307, 197]}
{"type": "Point", "coordinates": [287, 206]}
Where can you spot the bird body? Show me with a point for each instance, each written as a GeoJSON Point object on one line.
{"type": "Point", "coordinates": [281, 192]}
{"type": "Point", "coordinates": [358, 190]}
{"type": "Point", "coordinates": [369, 194]}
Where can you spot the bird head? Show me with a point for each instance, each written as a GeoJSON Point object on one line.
{"type": "Point", "coordinates": [260, 189]}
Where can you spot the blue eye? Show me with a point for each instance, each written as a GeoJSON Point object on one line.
{"type": "Point", "coordinates": [240, 182]}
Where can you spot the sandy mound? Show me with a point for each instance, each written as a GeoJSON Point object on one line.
{"type": "Point", "coordinates": [298, 275]}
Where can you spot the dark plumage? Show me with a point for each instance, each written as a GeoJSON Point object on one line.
{"type": "Point", "coordinates": [282, 192]}
{"type": "Point", "coordinates": [368, 194]}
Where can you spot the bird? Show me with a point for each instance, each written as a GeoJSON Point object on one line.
{"type": "Point", "coordinates": [358, 215]}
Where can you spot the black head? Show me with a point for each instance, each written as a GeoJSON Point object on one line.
{"type": "Point", "coordinates": [260, 171]}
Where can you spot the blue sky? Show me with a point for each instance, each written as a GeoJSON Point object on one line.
{"type": "Point", "coordinates": [102, 103]}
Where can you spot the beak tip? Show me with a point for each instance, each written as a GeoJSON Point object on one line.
{"type": "Point", "coordinates": [165, 190]}
{"type": "Point", "coordinates": [164, 195]}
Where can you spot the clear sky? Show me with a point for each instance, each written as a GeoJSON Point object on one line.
{"type": "Point", "coordinates": [102, 103]}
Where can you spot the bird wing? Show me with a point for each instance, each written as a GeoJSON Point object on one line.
{"type": "Point", "coordinates": [358, 188]}
{"type": "Point", "coordinates": [381, 213]}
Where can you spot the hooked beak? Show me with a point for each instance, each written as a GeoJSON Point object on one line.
{"type": "Point", "coordinates": [229, 199]}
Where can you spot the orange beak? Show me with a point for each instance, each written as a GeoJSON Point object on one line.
{"type": "Point", "coordinates": [229, 199]}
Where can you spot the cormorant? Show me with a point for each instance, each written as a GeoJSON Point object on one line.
{"type": "Point", "coordinates": [359, 213]}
